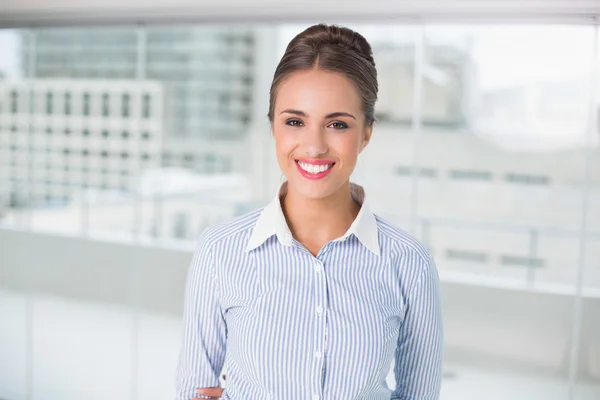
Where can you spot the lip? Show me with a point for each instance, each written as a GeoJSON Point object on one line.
{"type": "Point", "coordinates": [314, 177]}
{"type": "Point", "coordinates": [315, 161]}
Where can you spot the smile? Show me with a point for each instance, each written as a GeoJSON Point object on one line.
{"type": "Point", "coordinates": [316, 169]}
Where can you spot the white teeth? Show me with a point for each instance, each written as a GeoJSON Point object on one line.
{"type": "Point", "coordinates": [314, 169]}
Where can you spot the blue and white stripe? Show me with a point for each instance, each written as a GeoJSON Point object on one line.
{"type": "Point", "coordinates": [288, 325]}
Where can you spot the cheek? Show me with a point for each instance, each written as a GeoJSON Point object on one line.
{"type": "Point", "coordinates": [347, 148]}
{"type": "Point", "coordinates": [284, 146]}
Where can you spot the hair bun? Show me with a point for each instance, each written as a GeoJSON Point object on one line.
{"type": "Point", "coordinates": [322, 34]}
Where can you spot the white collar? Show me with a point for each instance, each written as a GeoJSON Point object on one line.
{"type": "Point", "coordinates": [272, 222]}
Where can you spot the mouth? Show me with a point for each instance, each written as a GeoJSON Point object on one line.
{"type": "Point", "coordinates": [314, 170]}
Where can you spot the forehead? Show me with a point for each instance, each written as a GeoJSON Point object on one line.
{"type": "Point", "coordinates": [318, 92]}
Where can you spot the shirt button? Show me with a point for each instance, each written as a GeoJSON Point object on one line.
{"type": "Point", "coordinates": [319, 309]}
{"type": "Point", "coordinates": [317, 267]}
{"type": "Point", "coordinates": [315, 397]}
{"type": "Point", "coordinates": [318, 354]}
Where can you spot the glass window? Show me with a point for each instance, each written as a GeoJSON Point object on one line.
{"type": "Point", "coordinates": [14, 102]}
{"type": "Point", "coordinates": [125, 105]}
{"type": "Point", "coordinates": [105, 105]}
{"type": "Point", "coordinates": [67, 103]}
{"type": "Point", "coordinates": [49, 100]}
{"type": "Point", "coordinates": [146, 106]}
{"type": "Point", "coordinates": [86, 104]}
{"type": "Point", "coordinates": [480, 151]}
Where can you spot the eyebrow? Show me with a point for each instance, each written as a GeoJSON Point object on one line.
{"type": "Point", "coordinates": [332, 115]}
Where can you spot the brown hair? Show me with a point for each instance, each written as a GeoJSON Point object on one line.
{"type": "Point", "coordinates": [335, 49]}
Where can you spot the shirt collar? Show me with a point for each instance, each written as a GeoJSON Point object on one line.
{"type": "Point", "coordinates": [272, 222]}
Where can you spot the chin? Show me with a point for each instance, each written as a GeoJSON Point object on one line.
{"type": "Point", "coordinates": [313, 190]}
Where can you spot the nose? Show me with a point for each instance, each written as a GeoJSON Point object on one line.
{"type": "Point", "coordinates": [314, 142]}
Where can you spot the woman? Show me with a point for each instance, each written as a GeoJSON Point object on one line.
{"type": "Point", "coordinates": [314, 296]}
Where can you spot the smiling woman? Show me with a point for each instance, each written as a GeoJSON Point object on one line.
{"type": "Point", "coordinates": [314, 296]}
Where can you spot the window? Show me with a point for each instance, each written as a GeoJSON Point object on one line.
{"type": "Point", "coordinates": [511, 260]}
{"type": "Point", "coordinates": [466, 255]}
{"type": "Point", "coordinates": [14, 101]}
{"type": "Point", "coordinates": [105, 105]}
{"type": "Point", "coordinates": [180, 225]}
{"type": "Point", "coordinates": [86, 132]}
{"type": "Point", "coordinates": [125, 106]}
{"type": "Point", "coordinates": [67, 103]}
{"type": "Point", "coordinates": [49, 100]}
{"type": "Point", "coordinates": [125, 135]}
{"type": "Point", "coordinates": [104, 154]}
{"type": "Point", "coordinates": [423, 172]}
{"type": "Point", "coordinates": [67, 132]}
{"type": "Point", "coordinates": [124, 155]}
{"type": "Point", "coordinates": [145, 136]}
{"type": "Point", "coordinates": [48, 131]}
{"type": "Point", "coordinates": [86, 104]}
{"type": "Point", "coordinates": [527, 179]}
{"type": "Point", "coordinates": [146, 106]}
{"type": "Point", "coordinates": [471, 175]}
{"type": "Point", "coordinates": [105, 133]}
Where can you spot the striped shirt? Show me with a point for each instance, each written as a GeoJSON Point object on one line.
{"type": "Point", "coordinates": [288, 325]}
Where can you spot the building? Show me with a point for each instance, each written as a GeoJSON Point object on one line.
{"type": "Point", "coordinates": [207, 71]}
{"type": "Point", "coordinates": [208, 74]}
{"type": "Point", "coordinates": [74, 133]}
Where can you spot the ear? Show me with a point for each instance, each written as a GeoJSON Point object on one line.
{"type": "Point", "coordinates": [367, 137]}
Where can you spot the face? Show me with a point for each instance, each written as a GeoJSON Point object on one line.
{"type": "Point", "coordinates": [319, 128]}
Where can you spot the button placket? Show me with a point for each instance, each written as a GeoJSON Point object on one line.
{"type": "Point", "coordinates": [320, 333]}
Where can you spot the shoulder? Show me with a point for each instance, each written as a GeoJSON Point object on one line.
{"type": "Point", "coordinates": [236, 231]}
{"type": "Point", "coordinates": [412, 259]}
{"type": "Point", "coordinates": [402, 245]}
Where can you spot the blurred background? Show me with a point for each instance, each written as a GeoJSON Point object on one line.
{"type": "Point", "coordinates": [127, 128]}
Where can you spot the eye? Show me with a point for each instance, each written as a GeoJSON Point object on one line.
{"type": "Point", "coordinates": [293, 122]}
{"type": "Point", "coordinates": [338, 125]}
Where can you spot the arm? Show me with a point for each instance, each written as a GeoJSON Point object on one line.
{"type": "Point", "coordinates": [204, 331]}
{"type": "Point", "coordinates": [418, 368]}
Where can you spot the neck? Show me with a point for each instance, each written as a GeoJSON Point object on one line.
{"type": "Point", "coordinates": [320, 220]}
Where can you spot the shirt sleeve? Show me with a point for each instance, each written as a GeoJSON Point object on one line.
{"type": "Point", "coordinates": [419, 353]}
{"type": "Point", "coordinates": [203, 346]}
